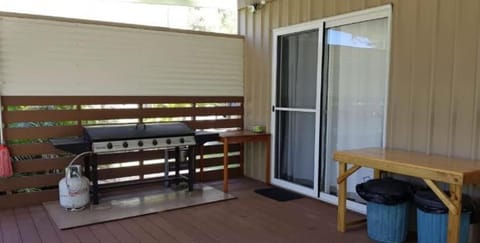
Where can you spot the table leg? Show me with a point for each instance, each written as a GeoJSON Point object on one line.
{"type": "Point", "coordinates": [454, 217]}
{"type": "Point", "coordinates": [342, 198]}
{"type": "Point", "coordinates": [267, 162]}
{"type": "Point", "coordinates": [242, 158]}
{"type": "Point", "coordinates": [225, 165]}
{"type": "Point", "coordinates": [377, 173]}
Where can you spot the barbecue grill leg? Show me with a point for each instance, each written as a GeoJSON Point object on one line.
{"type": "Point", "coordinates": [191, 171]}
{"type": "Point", "coordinates": [94, 165]}
{"type": "Point", "coordinates": [86, 165]}
{"type": "Point", "coordinates": [165, 168]}
{"type": "Point", "coordinates": [177, 165]}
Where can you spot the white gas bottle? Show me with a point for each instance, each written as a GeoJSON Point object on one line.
{"type": "Point", "coordinates": [74, 189]}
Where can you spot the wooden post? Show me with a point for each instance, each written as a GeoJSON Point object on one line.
{"type": "Point", "coordinates": [342, 197]}
{"type": "Point", "coordinates": [242, 158]}
{"type": "Point", "coordinates": [267, 160]}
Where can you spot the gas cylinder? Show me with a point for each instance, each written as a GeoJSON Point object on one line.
{"type": "Point", "coordinates": [74, 189]}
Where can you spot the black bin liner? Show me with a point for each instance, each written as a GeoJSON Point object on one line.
{"type": "Point", "coordinates": [427, 201]}
{"type": "Point", "coordinates": [387, 191]}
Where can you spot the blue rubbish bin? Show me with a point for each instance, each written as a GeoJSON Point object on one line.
{"type": "Point", "coordinates": [388, 202]}
{"type": "Point", "coordinates": [432, 218]}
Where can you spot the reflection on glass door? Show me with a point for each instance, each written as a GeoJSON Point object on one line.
{"type": "Point", "coordinates": [295, 113]}
{"type": "Point", "coordinates": [356, 71]}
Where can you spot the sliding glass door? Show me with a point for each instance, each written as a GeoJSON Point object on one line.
{"type": "Point", "coordinates": [329, 90]}
{"type": "Point", "coordinates": [356, 71]}
{"type": "Point", "coordinates": [295, 111]}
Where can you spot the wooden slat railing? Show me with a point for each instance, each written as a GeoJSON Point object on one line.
{"type": "Point", "coordinates": [30, 121]}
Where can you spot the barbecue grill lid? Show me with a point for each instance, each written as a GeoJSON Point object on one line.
{"type": "Point", "coordinates": [137, 131]}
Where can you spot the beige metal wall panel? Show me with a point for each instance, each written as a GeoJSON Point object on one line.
{"type": "Point", "coordinates": [316, 9]}
{"type": "Point", "coordinates": [434, 90]}
{"type": "Point", "coordinates": [464, 73]}
{"type": "Point", "coordinates": [329, 7]}
{"type": "Point", "coordinates": [49, 57]}
{"type": "Point", "coordinates": [424, 36]}
{"type": "Point", "coordinates": [442, 77]}
{"type": "Point", "coordinates": [401, 69]}
{"type": "Point", "coordinates": [421, 53]}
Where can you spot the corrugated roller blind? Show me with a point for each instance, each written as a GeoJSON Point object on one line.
{"type": "Point", "coordinates": [48, 57]}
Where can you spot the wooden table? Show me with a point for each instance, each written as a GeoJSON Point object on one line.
{"type": "Point", "coordinates": [244, 136]}
{"type": "Point", "coordinates": [432, 169]}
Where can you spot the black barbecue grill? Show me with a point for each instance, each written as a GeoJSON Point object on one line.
{"type": "Point", "coordinates": [120, 138]}
{"type": "Point", "coordinates": [109, 139]}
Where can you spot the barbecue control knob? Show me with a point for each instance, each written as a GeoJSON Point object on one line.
{"type": "Point", "coordinates": [169, 141]}
{"type": "Point", "coordinates": [140, 143]}
{"type": "Point", "coordinates": [109, 145]}
{"type": "Point", "coordinates": [125, 144]}
{"type": "Point", "coordinates": [154, 142]}
{"type": "Point", "coordinates": [182, 140]}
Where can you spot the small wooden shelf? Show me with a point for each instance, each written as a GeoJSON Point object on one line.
{"type": "Point", "coordinates": [243, 136]}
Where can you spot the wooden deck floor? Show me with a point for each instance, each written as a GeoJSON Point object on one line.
{"type": "Point", "coordinates": [250, 218]}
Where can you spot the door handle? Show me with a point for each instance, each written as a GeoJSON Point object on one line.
{"type": "Point", "coordinates": [273, 108]}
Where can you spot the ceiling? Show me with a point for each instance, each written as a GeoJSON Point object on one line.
{"type": "Point", "coordinates": [222, 4]}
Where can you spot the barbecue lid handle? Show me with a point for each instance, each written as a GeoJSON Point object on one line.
{"type": "Point", "coordinates": [141, 126]}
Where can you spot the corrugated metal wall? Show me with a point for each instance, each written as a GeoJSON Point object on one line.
{"type": "Point", "coordinates": [62, 57]}
{"type": "Point", "coordinates": [434, 99]}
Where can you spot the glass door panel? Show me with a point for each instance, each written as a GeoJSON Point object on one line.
{"type": "Point", "coordinates": [356, 71]}
{"type": "Point", "coordinates": [295, 114]}
{"type": "Point", "coordinates": [297, 70]}
{"type": "Point", "coordinates": [295, 147]}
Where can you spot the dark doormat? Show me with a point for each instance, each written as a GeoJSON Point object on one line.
{"type": "Point", "coordinates": [278, 194]}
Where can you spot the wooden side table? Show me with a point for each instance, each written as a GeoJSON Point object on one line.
{"type": "Point", "coordinates": [244, 136]}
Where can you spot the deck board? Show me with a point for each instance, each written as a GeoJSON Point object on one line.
{"type": "Point", "coordinates": [263, 226]}
{"type": "Point", "coordinates": [27, 228]}
{"type": "Point", "coordinates": [159, 234]}
{"type": "Point", "coordinates": [66, 236]}
{"type": "Point", "coordinates": [44, 227]}
{"type": "Point", "coordinates": [120, 232]}
{"type": "Point", "coordinates": [138, 232]}
{"type": "Point", "coordinates": [211, 226]}
{"type": "Point", "coordinates": [9, 226]}
{"type": "Point", "coordinates": [270, 222]}
{"type": "Point", "coordinates": [249, 218]}
{"type": "Point", "coordinates": [248, 231]}
{"type": "Point", "coordinates": [102, 234]}
{"type": "Point", "coordinates": [191, 229]}
{"type": "Point", "coordinates": [85, 235]}
{"type": "Point", "coordinates": [167, 227]}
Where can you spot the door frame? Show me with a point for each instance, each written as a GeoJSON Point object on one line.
{"type": "Point", "coordinates": [322, 25]}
